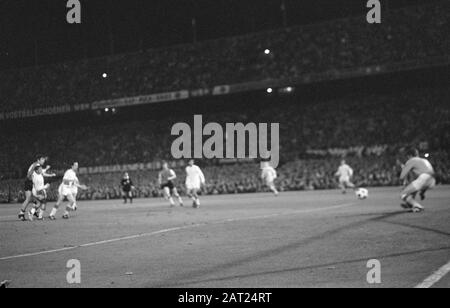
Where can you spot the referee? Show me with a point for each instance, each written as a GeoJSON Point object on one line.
{"type": "Point", "coordinates": [127, 187]}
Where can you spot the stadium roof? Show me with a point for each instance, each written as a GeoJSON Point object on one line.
{"type": "Point", "coordinates": [36, 32]}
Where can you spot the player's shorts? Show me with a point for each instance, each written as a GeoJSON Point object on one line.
{"type": "Point", "coordinates": [65, 190]}
{"type": "Point", "coordinates": [28, 185]}
{"type": "Point", "coordinates": [169, 185]}
{"type": "Point", "coordinates": [39, 197]}
{"type": "Point", "coordinates": [424, 182]}
{"type": "Point", "coordinates": [345, 180]}
{"type": "Point", "coordinates": [193, 185]}
{"type": "Point", "coordinates": [269, 180]}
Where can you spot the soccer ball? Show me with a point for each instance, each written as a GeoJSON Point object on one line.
{"type": "Point", "coordinates": [362, 193]}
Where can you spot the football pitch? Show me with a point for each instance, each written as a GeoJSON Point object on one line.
{"type": "Point", "coordinates": [299, 239]}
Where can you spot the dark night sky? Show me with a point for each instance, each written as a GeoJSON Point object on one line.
{"type": "Point", "coordinates": [36, 30]}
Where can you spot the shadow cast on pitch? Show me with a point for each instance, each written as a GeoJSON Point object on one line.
{"type": "Point", "coordinates": [400, 223]}
{"type": "Point", "coordinates": [418, 227]}
{"type": "Point", "coordinates": [310, 267]}
{"type": "Point", "coordinates": [270, 253]}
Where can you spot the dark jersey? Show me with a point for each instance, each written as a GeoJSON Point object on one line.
{"type": "Point", "coordinates": [126, 184]}
{"type": "Point", "coordinates": [28, 185]}
{"type": "Point", "coordinates": [165, 175]}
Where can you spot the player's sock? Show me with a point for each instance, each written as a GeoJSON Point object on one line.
{"type": "Point", "coordinates": [31, 213]}
{"type": "Point", "coordinates": [172, 203]}
{"type": "Point", "coordinates": [24, 206]}
{"type": "Point", "coordinates": [22, 215]}
{"type": "Point", "coordinates": [53, 212]}
{"type": "Point", "coordinates": [41, 214]}
{"type": "Point", "coordinates": [180, 201]}
{"type": "Point", "coordinates": [413, 202]}
{"type": "Point", "coordinates": [274, 190]}
{"type": "Point", "coordinates": [405, 204]}
{"type": "Point", "coordinates": [66, 214]}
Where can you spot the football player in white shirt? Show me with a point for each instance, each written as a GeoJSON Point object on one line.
{"type": "Point", "coordinates": [345, 173]}
{"type": "Point", "coordinates": [68, 189]}
{"type": "Point", "coordinates": [268, 175]}
{"type": "Point", "coordinates": [424, 174]}
{"type": "Point", "coordinates": [39, 193]}
{"type": "Point", "coordinates": [194, 181]}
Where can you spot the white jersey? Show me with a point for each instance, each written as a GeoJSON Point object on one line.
{"type": "Point", "coordinates": [30, 171]}
{"type": "Point", "coordinates": [68, 185]}
{"type": "Point", "coordinates": [418, 166]}
{"type": "Point", "coordinates": [38, 183]}
{"type": "Point", "coordinates": [345, 172]}
{"type": "Point", "coordinates": [70, 178]}
{"type": "Point", "coordinates": [194, 177]}
{"type": "Point", "coordinates": [268, 174]}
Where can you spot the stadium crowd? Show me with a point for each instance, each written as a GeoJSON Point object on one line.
{"type": "Point", "coordinates": [298, 52]}
{"type": "Point", "coordinates": [354, 120]}
{"type": "Point", "coordinates": [313, 135]}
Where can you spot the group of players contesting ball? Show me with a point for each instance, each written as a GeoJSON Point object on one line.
{"type": "Point", "coordinates": [420, 169]}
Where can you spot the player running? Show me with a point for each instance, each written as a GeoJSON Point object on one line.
{"type": "Point", "coordinates": [345, 173]}
{"type": "Point", "coordinates": [425, 180]}
{"type": "Point", "coordinates": [127, 187]}
{"type": "Point", "coordinates": [268, 175]}
{"type": "Point", "coordinates": [166, 180]}
{"type": "Point", "coordinates": [68, 189]}
{"type": "Point", "coordinates": [28, 185]}
{"type": "Point", "coordinates": [194, 181]}
{"type": "Point", "coordinates": [39, 193]}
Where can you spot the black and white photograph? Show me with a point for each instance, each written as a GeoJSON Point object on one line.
{"type": "Point", "coordinates": [223, 151]}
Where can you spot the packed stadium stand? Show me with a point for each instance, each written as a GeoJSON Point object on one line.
{"type": "Point", "coordinates": [332, 104]}
{"type": "Point", "coordinates": [297, 53]}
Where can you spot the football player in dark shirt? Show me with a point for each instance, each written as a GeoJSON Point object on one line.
{"type": "Point", "coordinates": [127, 188]}
{"type": "Point", "coordinates": [166, 180]}
{"type": "Point", "coordinates": [28, 185]}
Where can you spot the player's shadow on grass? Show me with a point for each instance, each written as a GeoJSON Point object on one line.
{"type": "Point", "coordinates": [271, 252]}
{"type": "Point", "coordinates": [310, 267]}
{"type": "Point", "coordinates": [378, 215]}
{"type": "Point", "coordinates": [400, 223]}
{"type": "Point", "coordinates": [418, 227]}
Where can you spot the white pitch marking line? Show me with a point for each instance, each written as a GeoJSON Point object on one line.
{"type": "Point", "coordinates": [131, 237]}
{"type": "Point", "coordinates": [435, 277]}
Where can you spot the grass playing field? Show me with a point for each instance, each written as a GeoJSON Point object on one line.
{"type": "Point", "coordinates": [299, 239]}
